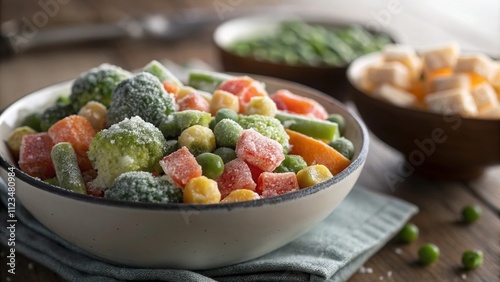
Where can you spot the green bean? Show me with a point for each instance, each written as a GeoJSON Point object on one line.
{"type": "Point", "coordinates": [66, 165]}
{"type": "Point", "coordinates": [297, 42]}
{"type": "Point", "coordinates": [206, 80]}
{"type": "Point", "coordinates": [311, 127]}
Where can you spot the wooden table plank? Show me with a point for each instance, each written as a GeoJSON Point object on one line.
{"type": "Point", "coordinates": [487, 188]}
{"type": "Point", "coordinates": [439, 221]}
{"type": "Point", "coordinates": [440, 202]}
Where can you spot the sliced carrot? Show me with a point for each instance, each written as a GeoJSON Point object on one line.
{"type": "Point", "coordinates": [475, 79]}
{"type": "Point", "coordinates": [316, 152]}
{"type": "Point", "coordinates": [438, 73]}
{"type": "Point", "coordinates": [194, 101]}
{"type": "Point", "coordinates": [418, 89]}
{"type": "Point", "coordinates": [171, 88]}
{"type": "Point", "coordinates": [245, 88]}
{"type": "Point", "coordinates": [287, 101]}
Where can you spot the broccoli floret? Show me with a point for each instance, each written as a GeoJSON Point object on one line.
{"type": "Point", "coordinates": [140, 95]}
{"type": "Point", "coordinates": [55, 113]}
{"type": "Point", "coordinates": [97, 84]}
{"type": "Point", "coordinates": [267, 126]}
{"type": "Point", "coordinates": [140, 186]}
{"type": "Point", "coordinates": [162, 73]}
{"type": "Point", "coordinates": [130, 145]}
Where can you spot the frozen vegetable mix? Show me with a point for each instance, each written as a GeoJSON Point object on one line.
{"type": "Point", "coordinates": [146, 137]}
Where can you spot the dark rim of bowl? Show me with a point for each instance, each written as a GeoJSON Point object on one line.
{"type": "Point", "coordinates": [392, 38]}
{"type": "Point", "coordinates": [359, 91]}
{"type": "Point", "coordinates": [355, 164]}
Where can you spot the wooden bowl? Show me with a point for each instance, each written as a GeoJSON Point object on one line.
{"type": "Point", "coordinates": [436, 145]}
{"type": "Point", "coordinates": [329, 79]}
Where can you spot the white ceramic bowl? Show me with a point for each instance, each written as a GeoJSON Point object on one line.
{"type": "Point", "coordinates": [181, 235]}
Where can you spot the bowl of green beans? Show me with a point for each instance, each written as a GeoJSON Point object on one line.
{"type": "Point", "coordinates": [312, 52]}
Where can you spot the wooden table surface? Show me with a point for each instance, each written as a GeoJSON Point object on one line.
{"type": "Point", "coordinates": [440, 202]}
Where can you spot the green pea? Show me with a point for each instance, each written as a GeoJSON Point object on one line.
{"type": "Point", "coordinates": [471, 213]}
{"type": "Point", "coordinates": [227, 132]}
{"type": "Point", "coordinates": [226, 113]}
{"type": "Point", "coordinates": [291, 163]}
{"type": "Point", "coordinates": [227, 154]}
{"type": "Point", "coordinates": [472, 259]}
{"type": "Point", "coordinates": [428, 253]}
{"type": "Point", "coordinates": [212, 123]}
{"type": "Point", "coordinates": [212, 165]}
{"type": "Point", "coordinates": [338, 119]}
{"type": "Point", "coordinates": [409, 233]}
{"type": "Point", "coordinates": [343, 146]}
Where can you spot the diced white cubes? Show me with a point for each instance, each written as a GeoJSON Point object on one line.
{"type": "Point", "coordinates": [453, 101]}
{"type": "Point", "coordinates": [395, 95]}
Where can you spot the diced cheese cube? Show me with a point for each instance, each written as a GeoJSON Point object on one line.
{"type": "Point", "coordinates": [485, 97]}
{"type": "Point", "coordinates": [394, 73]}
{"type": "Point", "coordinates": [405, 55]}
{"type": "Point", "coordinates": [453, 101]}
{"type": "Point", "coordinates": [441, 57]}
{"type": "Point", "coordinates": [493, 113]}
{"type": "Point", "coordinates": [442, 83]}
{"type": "Point", "coordinates": [395, 95]}
{"type": "Point", "coordinates": [495, 77]}
{"type": "Point", "coordinates": [478, 64]}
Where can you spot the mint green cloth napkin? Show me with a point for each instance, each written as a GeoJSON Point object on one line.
{"type": "Point", "coordinates": [332, 251]}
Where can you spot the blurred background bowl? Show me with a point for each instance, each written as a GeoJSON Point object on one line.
{"type": "Point", "coordinates": [436, 145]}
{"type": "Point", "coordinates": [329, 78]}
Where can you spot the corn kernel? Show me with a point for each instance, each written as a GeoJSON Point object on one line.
{"type": "Point", "coordinates": [223, 99]}
{"type": "Point", "coordinates": [240, 195]}
{"type": "Point", "coordinates": [201, 190]}
{"type": "Point", "coordinates": [16, 137]}
{"type": "Point", "coordinates": [96, 113]}
{"type": "Point", "coordinates": [313, 175]}
{"type": "Point", "coordinates": [198, 139]}
{"type": "Point", "coordinates": [184, 91]}
{"type": "Point", "coordinates": [264, 106]}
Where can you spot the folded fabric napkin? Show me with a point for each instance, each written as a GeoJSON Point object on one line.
{"type": "Point", "coordinates": [331, 251]}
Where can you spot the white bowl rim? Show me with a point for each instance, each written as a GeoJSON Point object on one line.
{"type": "Point", "coordinates": [353, 166]}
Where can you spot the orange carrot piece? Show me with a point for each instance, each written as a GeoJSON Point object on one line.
{"type": "Point", "coordinates": [316, 152]}
{"type": "Point", "coordinates": [194, 101]}
{"type": "Point", "coordinates": [245, 88]}
{"type": "Point", "coordinates": [78, 131]}
{"type": "Point", "coordinates": [438, 73]}
{"type": "Point", "coordinates": [171, 88]}
{"type": "Point", "coordinates": [287, 101]}
{"type": "Point", "coordinates": [475, 80]}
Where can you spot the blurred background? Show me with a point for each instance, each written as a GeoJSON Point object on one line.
{"type": "Point", "coordinates": [48, 41]}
